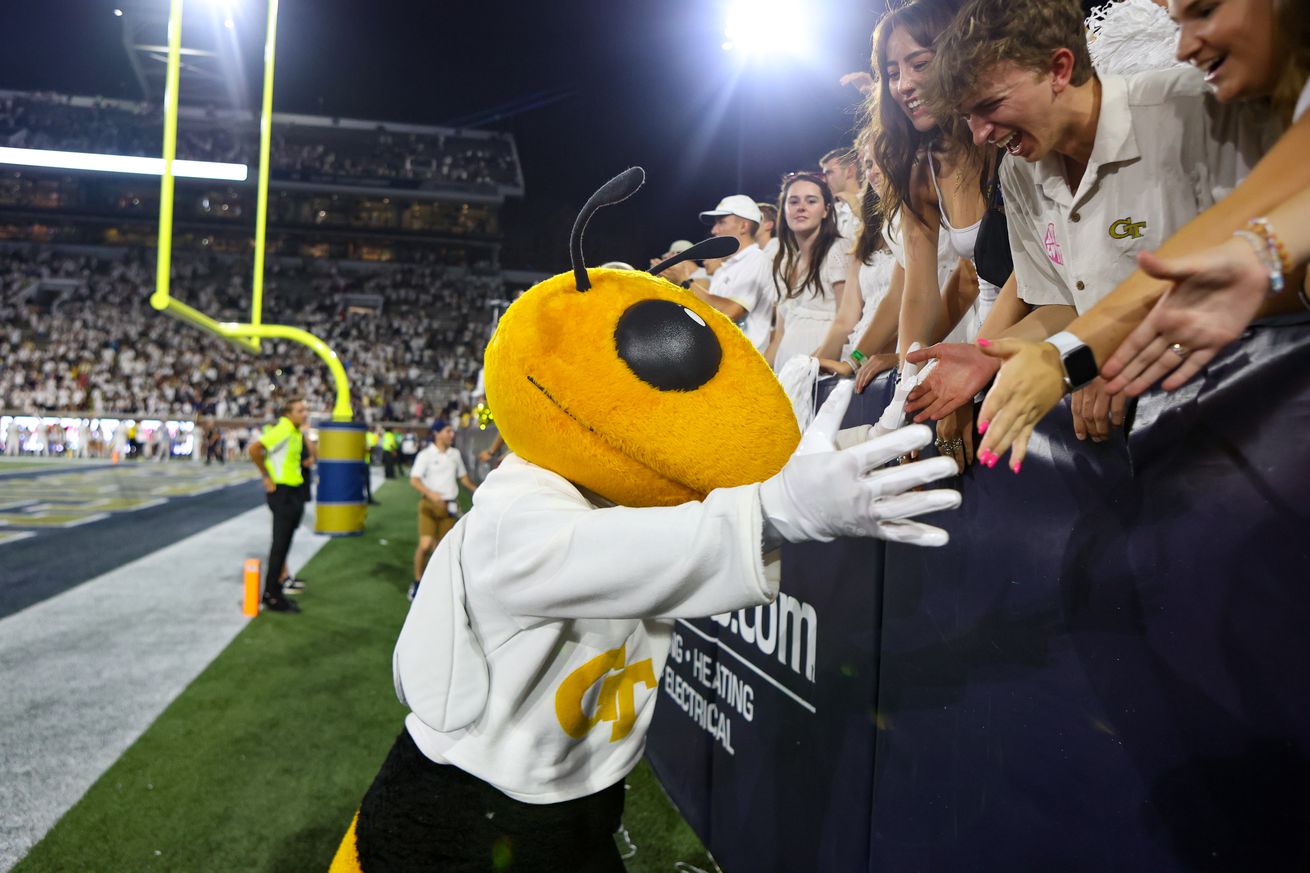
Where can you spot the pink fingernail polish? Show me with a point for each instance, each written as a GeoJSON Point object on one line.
{"type": "Point", "coordinates": [984, 343]}
{"type": "Point", "coordinates": [984, 456]}
{"type": "Point", "coordinates": [982, 426]}
{"type": "Point", "coordinates": [991, 461]}
{"type": "Point", "coordinates": [1016, 467]}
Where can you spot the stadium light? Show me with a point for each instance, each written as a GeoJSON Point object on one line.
{"type": "Point", "coordinates": [60, 160]}
{"type": "Point", "coordinates": [766, 27]}
{"type": "Point", "coordinates": [118, 13]}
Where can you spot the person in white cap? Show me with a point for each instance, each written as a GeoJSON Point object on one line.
{"type": "Point", "coordinates": [740, 287]}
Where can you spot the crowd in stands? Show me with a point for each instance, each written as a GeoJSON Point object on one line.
{"type": "Point", "coordinates": [324, 151]}
{"type": "Point", "coordinates": [99, 347]}
{"type": "Point", "coordinates": [995, 219]}
{"type": "Point", "coordinates": [386, 155]}
{"type": "Point", "coordinates": [51, 121]}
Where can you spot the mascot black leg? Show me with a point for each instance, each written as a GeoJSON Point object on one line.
{"type": "Point", "coordinates": [421, 817]}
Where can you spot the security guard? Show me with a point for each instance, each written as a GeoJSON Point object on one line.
{"type": "Point", "coordinates": [277, 454]}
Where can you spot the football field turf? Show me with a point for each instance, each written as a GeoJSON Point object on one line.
{"type": "Point", "coordinates": [259, 764]}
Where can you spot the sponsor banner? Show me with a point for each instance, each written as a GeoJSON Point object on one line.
{"type": "Point", "coordinates": [1105, 669]}
{"type": "Point", "coordinates": [764, 732]}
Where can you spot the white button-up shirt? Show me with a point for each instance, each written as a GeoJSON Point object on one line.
{"type": "Point", "coordinates": [745, 279]}
{"type": "Point", "coordinates": [1165, 151]}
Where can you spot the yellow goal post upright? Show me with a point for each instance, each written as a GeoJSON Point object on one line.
{"type": "Point", "coordinates": [245, 335]}
{"type": "Point", "coordinates": [340, 506]}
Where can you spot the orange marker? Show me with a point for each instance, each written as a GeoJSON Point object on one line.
{"type": "Point", "coordinates": [250, 604]}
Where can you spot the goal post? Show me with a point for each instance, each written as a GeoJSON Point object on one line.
{"type": "Point", "coordinates": [245, 335]}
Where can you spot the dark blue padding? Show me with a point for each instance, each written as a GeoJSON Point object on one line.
{"type": "Point", "coordinates": [341, 481]}
{"type": "Point", "coordinates": [1106, 669]}
{"type": "Point", "coordinates": [796, 792]}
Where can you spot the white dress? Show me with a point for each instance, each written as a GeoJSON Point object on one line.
{"type": "Point", "coordinates": [875, 280]}
{"type": "Point", "coordinates": [947, 260]}
{"type": "Point", "coordinates": [807, 316]}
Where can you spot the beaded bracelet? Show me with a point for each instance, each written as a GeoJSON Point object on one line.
{"type": "Point", "coordinates": [1266, 258]}
{"type": "Point", "coordinates": [1266, 230]}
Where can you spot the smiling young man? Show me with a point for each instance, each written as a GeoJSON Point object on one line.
{"type": "Point", "coordinates": [1101, 168]}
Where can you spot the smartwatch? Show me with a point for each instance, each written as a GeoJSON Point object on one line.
{"type": "Point", "coordinates": [1078, 360]}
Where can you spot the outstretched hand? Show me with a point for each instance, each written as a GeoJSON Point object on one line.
{"type": "Point", "coordinates": [1029, 385]}
{"type": "Point", "coordinates": [1215, 295]}
{"type": "Point", "coordinates": [823, 493]}
{"type": "Point", "coordinates": [962, 371]}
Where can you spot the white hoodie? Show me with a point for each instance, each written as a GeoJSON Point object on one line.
{"type": "Point", "coordinates": [532, 653]}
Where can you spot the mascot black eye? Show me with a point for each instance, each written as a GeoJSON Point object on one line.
{"type": "Point", "coordinates": [667, 345]}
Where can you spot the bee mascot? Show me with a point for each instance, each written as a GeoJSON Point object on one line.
{"type": "Point", "coordinates": [655, 461]}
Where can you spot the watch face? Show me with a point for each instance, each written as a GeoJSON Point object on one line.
{"type": "Point", "coordinates": [1080, 367]}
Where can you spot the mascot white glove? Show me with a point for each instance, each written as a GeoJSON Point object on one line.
{"type": "Point", "coordinates": [823, 493]}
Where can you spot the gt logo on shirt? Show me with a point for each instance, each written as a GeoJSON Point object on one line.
{"type": "Point", "coordinates": [1126, 227]}
{"type": "Point", "coordinates": [615, 701]}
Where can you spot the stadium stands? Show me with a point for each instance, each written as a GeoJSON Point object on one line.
{"type": "Point", "coordinates": [77, 334]}
{"type": "Point", "coordinates": [304, 148]}
{"type": "Point", "coordinates": [383, 241]}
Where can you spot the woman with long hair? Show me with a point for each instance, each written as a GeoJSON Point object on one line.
{"type": "Point", "coordinates": [934, 178]}
{"type": "Point", "coordinates": [809, 268]}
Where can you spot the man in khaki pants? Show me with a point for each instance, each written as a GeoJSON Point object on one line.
{"type": "Point", "coordinates": [437, 473]}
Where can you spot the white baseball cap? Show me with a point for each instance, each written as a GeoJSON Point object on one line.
{"type": "Point", "coordinates": [736, 204]}
{"type": "Point", "coordinates": [678, 246]}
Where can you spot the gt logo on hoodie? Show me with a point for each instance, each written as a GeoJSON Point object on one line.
{"type": "Point", "coordinates": [615, 701]}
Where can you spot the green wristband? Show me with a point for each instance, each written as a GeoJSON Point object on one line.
{"type": "Point", "coordinates": [858, 356]}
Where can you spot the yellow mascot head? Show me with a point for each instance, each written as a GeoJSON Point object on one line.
{"type": "Point", "coordinates": [631, 387]}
